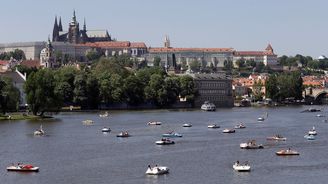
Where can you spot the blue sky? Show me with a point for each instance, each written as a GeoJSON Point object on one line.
{"type": "Point", "coordinates": [291, 26]}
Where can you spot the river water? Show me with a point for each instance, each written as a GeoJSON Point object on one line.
{"type": "Point", "coordinates": [78, 154]}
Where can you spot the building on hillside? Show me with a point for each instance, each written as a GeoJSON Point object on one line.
{"type": "Point", "coordinates": [267, 57]}
{"type": "Point", "coordinates": [31, 49]}
{"type": "Point", "coordinates": [76, 35]}
{"type": "Point", "coordinates": [47, 57]}
{"type": "Point", "coordinates": [216, 88]}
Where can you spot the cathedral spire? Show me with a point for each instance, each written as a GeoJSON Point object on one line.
{"type": "Point", "coordinates": [55, 32]}
{"type": "Point", "coordinates": [84, 26]}
{"type": "Point", "coordinates": [74, 17]}
{"type": "Point", "coordinates": [60, 26]}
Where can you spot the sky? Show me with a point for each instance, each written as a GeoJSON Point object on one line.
{"type": "Point", "coordinates": [291, 26]}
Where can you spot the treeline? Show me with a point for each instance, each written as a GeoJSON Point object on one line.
{"type": "Point", "coordinates": [280, 87]}
{"type": "Point", "coordinates": [304, 61]}
{"type": "Point", "coordinates": [16, 54]}
{"type": "Point", "coordinates": [9, 95]}
{"type": "Point", "coordinates": [105, 82]}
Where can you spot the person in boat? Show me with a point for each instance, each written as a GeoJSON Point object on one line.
{"type": "Point", "coordinates": [237, 162]}
{"type": "Point", "coordinates": [149, 167]}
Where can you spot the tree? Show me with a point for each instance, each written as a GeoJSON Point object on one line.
{"type": "Point", "coordinates": [157, 61]}
{"type": "Point", "coordinates": [187, 88]}
{"type": "Point", "coordinates": [240, 63]}
{"type": "Point", "coordinates": [227, 65]}
{"type": "Point", "coordinates": [80, 90]}
{"type": "Point", "coordinates": [65, 83]}
{"type": "Point", "coordinates": [93, 55]}
{"type": "Point", "coordinates": [40, 92]}
{"type": "Point", "coordinates": [271, 88]}
{"type": "Point", "coordinates": [194, 65]}
{"type": "Point", "coordinates": [133, 90]}
{"type": "Point", "coordinates": [257, 90]}
{"type": "Point", "coordinates": [9, 95]}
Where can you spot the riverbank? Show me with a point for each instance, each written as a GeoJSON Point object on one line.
{"type": "Point", "coordinates": [20, 116]}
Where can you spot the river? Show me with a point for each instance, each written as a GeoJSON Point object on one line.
{"type": "Point", "coordinates": [78, 154]}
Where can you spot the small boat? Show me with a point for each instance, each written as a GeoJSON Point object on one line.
{"type": "Point", "coordinates": [309, 137]}
{"type": "Point", "coordinates": [39, 132]}
{"type": "Point", "coordinates": [23, 168]}
{"type": "Point", "coordinates": [241, 167]}
{"type": "Point", "coordinates": [87, 122]}
{"type": "Point", "coordinates": [213, 126]}
{"type": "Point", "coordinates": [154, 123]}
{"type": "Point", "coordinates": [208, 106]}
{"type": "Point", "coordinates": [312, 110]}
{"type": "Point", "coordinates": [187, 125]}
{"type": "Point", "coordinates": [105, 129]}
{"type": "Point", "coordinates": [263, 117]}
{"type": "Point", "coordinates": [251, 145]}
{"type": "Point", "coordinates": [287, 152]}
{"type": "Point", "coordinates": [106, 114]}
{"type": "Point", "coordinates": [320, 115]}
{"type": "Point", "coordinates": [123, 134]}
{"type": "Point", "coordinates": [240, 126]}
{"type": "Point", "coordinates": [164, 141]}
{"type": "Point", "coordinates": [227, 130]}
{"type": "Point", "coordinates": [171, 134]}
{"type": "Point", "coordinates": [277, 138]}
{"type": "Point", "coordinates": [157, 170]}
{"type": "Point", "coordinates": [313, 131]}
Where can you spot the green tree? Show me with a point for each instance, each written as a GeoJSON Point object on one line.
{"type": "Point", "coordinates": [93, 55]}
{"type": "Point", "coordinates": [271, 88]}
{"type": "Point", "coordinates": [157, 61]}
{"type": "Point", "coordinates": [227, 65]}
{"type": "Point", "coordinates": [9, 95]}
{"type": "Point", "coordinates": [65, 83]}
{"type": "Point", "coordinates": [257, 90]}
{"type": "Point", "coordinates": [187, 88]}
{"type": "Point", "coordinates": [80, 90]}
{"type": "Point", "coordinates": [40, 92]}
{"type": "Point", "coordinates": [133, 90]}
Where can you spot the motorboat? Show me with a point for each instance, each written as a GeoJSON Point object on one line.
{"type": "Point", "coordinates": [309, 137]}
{"type": "Point", "coordinates": [187, 125]}
{"type": "Point", "coordinates": [241, 167]}
{"type": "Point", "coordinates": [227, 130]}
{"type": "Point", "coordinates": [23, 168]}
{"type": "Point", "coordinates": [157, 170]}
{"type": "Point", "coordinates": [260, 119]}
{"type": "Point", "coordinates": [263, 117]}
{"type": "Point", "coordinates": [171, 134]}
{"type": "Point", "coordinates": [154, 123]}
{"type": "Point", "coordinates": [251, 145]}
{"type": "Point", "coordinates": [320, 115]}
{"type": "Point", "coordinates": [164, 141]}
{"type": "Point", "coordinates": [313, 131]}
{"type": "Point", "coordinates": [240, 126]}
{"type": "Point", "coordinates": [123, 134]}
{"type": "Point", "coordinates": [213, 126]}
{"type": "Point", "coordinates": [39, 132]}
{"type": "Point", "coordinates": [87, 122]}
{"type": "Point", "coordinates": [277, 138]}
{"type": "Point", "coordinates": [208, 106]}
{"type": "Point", "coordinates": [287, 152]}
{"type": "Point", "coordinates": [105, 129]}
{"type": "Point", "coordinates": [106, 114]}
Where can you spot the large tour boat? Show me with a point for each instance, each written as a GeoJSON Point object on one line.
{"type": "Point", "coordinates": [207, 106]}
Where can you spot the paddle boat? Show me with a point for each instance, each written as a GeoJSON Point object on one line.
{"type": "Point", "coordinates": [241, 167]}
{"type": "Point", "coordinates": [171, 134]}
{"type": "Point", "coordinates": [164, 141]}
{"type": "Point", "coordinates": [123, 134]}
{"type": "Point", "coordinates": [313, 131]}
{"type": "Point", "coordinates": [263, 117]}
{"type": "Point", "coordinates": [87, 122]}
{"type": "Point", "coordinates": [251, 145]}
{"type": "Point", "coordinates": [106, 114]}
{"type": "Point", "coordinates": [227, 130]}
{"type": "Point", "coordinates": [287, 152]}
{"type": "Point", "coordinates": [276, 137]}
{"type": "Point", "coordinates": [187, 125]}
{"type": "Point", "coordinates": [105, 129]}
{"type": "Point", "coordinates": [240, 126]}
{"type": "Point", "coordinates": [309, 137]}
{"type": "Point", "coordinates": [154, 123]}
{"type": "Point", "coordinates": [22, 168]}
{"type": "Point", "coordinates": [213, 126]}
{"type": "Point", "coordinates": [39, 132]}
{"type": "Point", "coordinates": [157, 170]}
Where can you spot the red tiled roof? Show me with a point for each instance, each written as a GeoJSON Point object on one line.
{"type": "Point", "coordinates": [116, 44]}
{"type": "Point", "coordinates": [3, 62]}
{"type": "Point", "coordinates": [31, 63]}
{"type": "Point", "coordinates": [164, 49]}
{"type": "Point", "coordinates": [252, 53]}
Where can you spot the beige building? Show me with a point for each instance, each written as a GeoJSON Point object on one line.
{"type": "Point", "coordinates": [267, 57]}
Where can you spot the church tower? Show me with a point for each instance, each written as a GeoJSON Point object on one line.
{"type": "Point", "coordinates": [269, 49]}
{"type": "Point", "coordinates": [60, 26]}
{"type": "Point", "coordinates": [74, 30]}
{"type": "Point", "coordinates": [55, 31]}
{"type": "Point", "coordinates": [47, 56]}
{"type": "Point", "coordinates": [167, 43]}
{"type": "Point", "coordinates": [84, 36]}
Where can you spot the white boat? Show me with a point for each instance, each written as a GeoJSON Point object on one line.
{"type": "Point", "coordinates": [213, 126]}
{"type": "Point", "coordinates": [154, 123]}
{"type": "Point", "coordinates": [106, 114]}
{"type": "Point", "coordinates": [207, 106]}
{"type": "Point", "coordinates": [277, 138]}
{"type": "Point", "coordinates": [287, 152]}
{"type": "Point", "coordinates": [171, 134]}
{"type": "Point", "coordinates": [251, 145]}
{"type": "Point", "coordinates": [241, 167]}
{"type": "Point", "coordinates": [227, 130]}
{"type": "Point", "coordinates": [164, 141]}
{"type": "Point", "coordinates": [157, 170]}
{"type": "Point", "coordinates": [123, 134]}
{"type": "Point", "coordinates": [23, 168]}
{"type": "Point", "coordinates": [87, 122]}
{"type": "Point", "coordinates": [263, 117]}
{"type": "Point", "coordinates": [39, 132]}
{"type": "Point", "coordinates": [240, 126]}
{"type": "Point", "coordinates": [309, 137]}
{"type": "Point", "coordinates": [105, 129]}
{"type": "Point", "coordinates": [260, 119]}
{"type": "Point", "coordinates": [313, 131]}
{"type": "Point", "coordinates": [187, 125]}
{"type": "Point", "coordinates": [320, 115]}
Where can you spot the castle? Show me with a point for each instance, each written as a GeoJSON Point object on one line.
{"type": "Point", "coordinates": [76, 36]}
